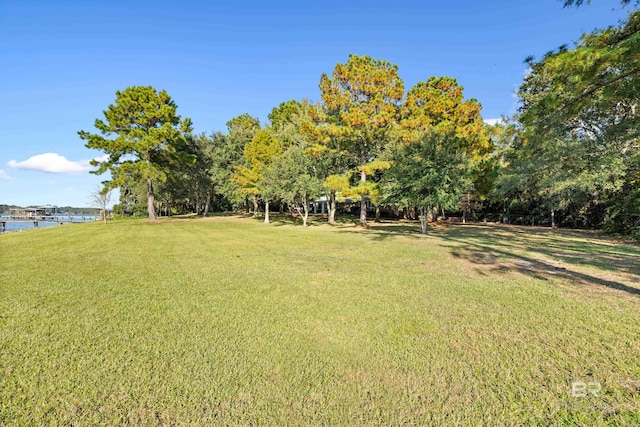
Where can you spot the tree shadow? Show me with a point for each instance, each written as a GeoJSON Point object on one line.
{"type": "Point", "coordinates": [210, 215]}
{"type": "Point", "coordinates": [376, 230]}
{"type": "Point", "coordinates": [384, 231]}
{"type": "Point", "coordinates": [568, 246]}
{"type": "Point", "coordinates": [515, 248]}
{"type": "Point", "coordinates": [280, 220]}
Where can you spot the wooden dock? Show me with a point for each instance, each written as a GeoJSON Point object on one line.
{"type": "Point", "coordinates": [36, 220]}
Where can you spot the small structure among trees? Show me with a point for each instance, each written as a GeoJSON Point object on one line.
{"type": "Point", "coordinates": [28, 213]}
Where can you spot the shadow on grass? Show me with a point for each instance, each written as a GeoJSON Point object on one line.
{"type": "Point", "coordinates": [569, 246]}
{"type": "Point", "coordinates": [506, 248]}
{"type": "Point", "coordinates": [192, 216]}
{"type": "Point", "coordinates": [282, 219]}
{"type": "Point", "coordinates": [383, 231]}
{"type": "Point", "coordinates": [346, 222]}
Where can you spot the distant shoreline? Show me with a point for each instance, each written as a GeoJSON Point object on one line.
{"type": "Point", "coordinates": [27, 224]}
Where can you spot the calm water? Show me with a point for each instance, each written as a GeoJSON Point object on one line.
{"type": "Point", "coordinates": [27, 225]}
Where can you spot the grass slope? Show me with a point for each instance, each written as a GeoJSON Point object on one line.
{"type": "Point", "coordinates": [229, 321]}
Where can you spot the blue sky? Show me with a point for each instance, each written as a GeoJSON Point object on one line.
{"type": "Point", "coordinates": [62, 61]}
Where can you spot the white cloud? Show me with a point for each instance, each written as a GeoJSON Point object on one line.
{"type": "Point", "coordinates": [54, 163]}
{"type": "Point", "coordinates": [3, 175]}
{"type": "Point", "coordinates": [492, 122]}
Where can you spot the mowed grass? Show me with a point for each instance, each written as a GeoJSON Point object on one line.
{"type": "Point", "coordinates": [230, 321]}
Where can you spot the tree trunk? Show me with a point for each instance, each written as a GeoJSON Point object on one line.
{"type": "Point", "coordinates": [377, 214]}
{"type": "Point", "coordinates": [207, 203]}
{"type": "Point", "coordinates": [424, 220]}
{"type": "Point", "coordinates": [197, 201]}
{"type": "Point", "coordinates": [363, 201]}
{"type": "Point", "coordinates": [104, 215]}
{"type": "Point", "coordinates": [305, 206]}
{"type": "Point", "coordinates": [553, 218]}
{"type": "Point", "coordinates": [266, 212]}
{"type": "Point", "coordinates": [332, 207]}
{"type": "Point", "coordinates": [255, 206]}
{"type": "Point", "coordinates": [150, 200]}
{"type": "Point", "coordinates": [466, 207]}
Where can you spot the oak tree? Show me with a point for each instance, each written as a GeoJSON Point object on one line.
{"type": "Point", "coordinates": [579, 110]}
{"type": "Point", "coordinates": [427, 173]}
{"type": "Point", "coordinates": [293, 178]}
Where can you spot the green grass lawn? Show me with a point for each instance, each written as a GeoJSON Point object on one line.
{"type": "Point", "coordinates": [230, 321]}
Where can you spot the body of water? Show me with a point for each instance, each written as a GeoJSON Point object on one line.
{"type": "Point", "coordinates": [28, 224]}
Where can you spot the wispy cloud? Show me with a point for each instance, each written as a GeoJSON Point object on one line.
{"type": "Point", "coordinates": [3, 175]}
{"type": "Point", "coordinates": [492, 122]}
{"type": "Point", "coordinates": [53, 163]}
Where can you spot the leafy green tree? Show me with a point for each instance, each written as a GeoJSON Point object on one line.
{"type": "Point", "coordinates": [292, 177]}
{"type": "Point", "coordinates": [133, 196]}
{"type": "Point", "coordinates": [579, 111]}
{"type": "Point", "coordinates": [287, 120]}
{"type": "Point", "coordinates": [333, 165]}
{"type": "Point", "coordinates": [333, 185]}
{"type": "Point", "coordinates": [258, 154]}
{"type": "Point", "coordinates": [228, 154]}
{"type": "Point", "coordinates": [189, 180]}
{"type": "Point", "coordinates": [437, 106]}
{"type": "Point", "coordinates": [592, 89]}
{"type": "Point", "coordinates": [146, 130]}
{"type": "Point", "coordinates": [426, 173]}
{"type": "Point", "coordinates": [497, 184]}
{"type": "Point", "coordinates": [305, 125]}
{"type": "Point", "coordinates": [361, 101]}
{"type": "Point", "coordinates": [203, 171]}
{"type": "Point", "coordinates": [244, 123]}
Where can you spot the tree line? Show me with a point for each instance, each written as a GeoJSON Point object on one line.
{"type": "Point", "coordinates": [569, 157]}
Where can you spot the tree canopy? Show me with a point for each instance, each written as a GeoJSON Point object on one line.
{"type": "Point", "coordinates": [580, 124]}
{"type": "Point", "coordinates": [570, 156]}
{"type": "Point", "coordinates": [258, 155]}
{"type": "Point", "coordinates": [362, 99]}
{"type": "Point", "coordinates": [427, 173]}
{"type": "Point", "coordinates": [141, 131]}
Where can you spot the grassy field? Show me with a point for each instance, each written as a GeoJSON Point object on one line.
{"type": "Point", "coordinates": [229, 321]}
